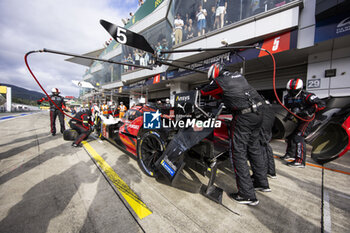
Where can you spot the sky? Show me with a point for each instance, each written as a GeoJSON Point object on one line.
{"type": "Point", "coordinates": [64, 25]}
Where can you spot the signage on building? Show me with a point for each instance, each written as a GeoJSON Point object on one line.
{"type": "Point", "coordinates": [332, 27]}
{"type": "Point", "coordinates": [156, 79]}
{"type": "Point", "coordinates": [313, 83]}
{"type": "Point", "coordinates": [275, 44]}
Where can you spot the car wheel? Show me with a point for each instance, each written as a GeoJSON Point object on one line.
{"type": "Point", "coordinates": [150, 147]}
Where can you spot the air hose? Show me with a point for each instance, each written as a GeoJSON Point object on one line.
{"type": "Point", "coordinates": [45, 50]}
{"type": "Point", "coordinates": [37, 81]}
{"type": "Point", "coordinates": [274, 88]}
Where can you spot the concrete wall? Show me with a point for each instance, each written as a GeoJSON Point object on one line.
{"type": "Point", "coordinates": [306, 28]}
{"type": "Point", "coordinates": [333, 59]}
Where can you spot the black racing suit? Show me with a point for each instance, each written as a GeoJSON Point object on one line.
{"type": "Point", "coordinates": [265, 138]}
{"type": "Point", "coordinates": [82, 126]}
{"type": "Point", "coordinates": [304, 105]}
{"type": "Point", "coordinates": [54, 112]}
{"type": "Point", "coordinates": [241, 100]}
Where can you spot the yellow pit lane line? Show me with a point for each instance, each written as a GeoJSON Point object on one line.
{"type": "Point", "coordinates": [132, 199]}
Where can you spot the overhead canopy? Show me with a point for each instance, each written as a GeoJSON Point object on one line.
{"type": "Point", "coordinates": [85, 62]}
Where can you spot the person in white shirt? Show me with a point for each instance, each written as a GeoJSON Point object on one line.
{"type": "Point", "coordinates": [178, 24]}
{"type": "Point", "coordinates": [220, 12]}
{"type": "Point", "coordinates": [201, 21]}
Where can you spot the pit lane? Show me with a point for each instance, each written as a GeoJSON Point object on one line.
{"type": "Point", "coordinates": [47, 186]}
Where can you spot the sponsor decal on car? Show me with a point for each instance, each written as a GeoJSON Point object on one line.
{"type": "Point", "coordinates": [169, 167]}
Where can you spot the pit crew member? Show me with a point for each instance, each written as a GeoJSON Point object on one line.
{"type": "Point", "coordinates": [244, 102]}
{"type": "Point", "coordinates": [304, 104]}
{"type": "Point", "coordinates": [83, 127]}
{"type": "Point", "coordinates": [54, 111]}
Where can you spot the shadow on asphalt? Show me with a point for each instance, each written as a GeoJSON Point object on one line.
{"type": "Point", "coordinates": [47, 200]}
{"type": "Point", "coordinates": [34, 143]}
{"type": "Point", "coordinates": [60, 150]}
{"type": "Point", "coordinates": [31, 137]}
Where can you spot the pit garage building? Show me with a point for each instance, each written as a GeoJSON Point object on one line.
{"type": "Point", "coordinates": [310, 40]}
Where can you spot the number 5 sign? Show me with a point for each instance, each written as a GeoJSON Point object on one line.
{"type": "Point", "coordinates": [127, 37]}
{"type": "Point", "coordinates": [276, 44]}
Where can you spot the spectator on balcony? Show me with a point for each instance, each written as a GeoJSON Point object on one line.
{"type": "Point", "coordinates": [190, 33]}
{"type": "Point", "coordinates": [184, 33]}
{"type": "Point", "coordinates": [220, 12]}
{"type": "Point", "coordinates": [165, 44]}
{"type": "Point", "coordinates": [178, 23]}
{"type": "Point", "coordinates": [158, 48]}
{"type": "Point", "coordinates": [142, 58]}
{"type": "Point", "coordinates": [147, 60]}
{"type": "Point", "coordinates": [211, 24]}
{"type": "Point", "coordinates": [187, 18]}
{"type": "Point", "coordinates": [136, 57]}
{"type": "Point", "coordinates": [193, 29]}
{"type": "Point", "coordinates": [201, 21]}
{"type": "Point", "coordinates": [257, 7]}
{"type": "Point", "coordinates": [125, 67]}
{"type": "Point", "coordinates": [131, 61]}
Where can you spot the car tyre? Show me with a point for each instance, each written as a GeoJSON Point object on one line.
{"type": "Point", "coordinates": [151, 146]}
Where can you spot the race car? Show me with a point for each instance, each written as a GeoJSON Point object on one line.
{"type": "Point", "coordinates": [128, 134]}
{"type": "Point", "coordinates": [147, 145]}
{"type": "Point", "coordinates": [329, 138]}
{"type": "Point", "coordinates": [163, 150]}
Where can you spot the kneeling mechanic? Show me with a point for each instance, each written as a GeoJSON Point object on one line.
{"type": "Point", "coordinates": [83, 127]}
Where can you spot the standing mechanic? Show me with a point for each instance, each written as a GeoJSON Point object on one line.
{"type": "Point", "coordinates": [122, 109]}
{"type": "Point", "coordinates": [303, 104]}
{"type": "Point", "coordinates": [244, 102]}
{"type": "Point", "coordinates": [54, 111]}
{"type": "Point", "coordinates": [81, 123]}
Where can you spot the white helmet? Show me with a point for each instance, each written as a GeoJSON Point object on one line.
{"type": "Point", "coordinates": [55, 91]}
{"type": "Point", "coordinates": [167, 100]}
{"type": "Point", "coordinates": [295, 86]}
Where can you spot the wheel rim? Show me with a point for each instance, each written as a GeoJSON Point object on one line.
{"type": "Point", "coordinates": [151, 150]}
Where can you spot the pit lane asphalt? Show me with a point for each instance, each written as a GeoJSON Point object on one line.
{"type": "Point", "coordinates": [48, 186]}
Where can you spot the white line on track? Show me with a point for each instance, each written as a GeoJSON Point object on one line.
{"type": "Point", "coordinates": [326, 213]}
{"type": "Point", "coordinates": [12, 117]}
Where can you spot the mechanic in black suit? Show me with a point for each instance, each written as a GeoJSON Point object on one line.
{"type": "Point", "coordinates": [244, 102]}
{"type": "Point", "coordinates": [54, 111]}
